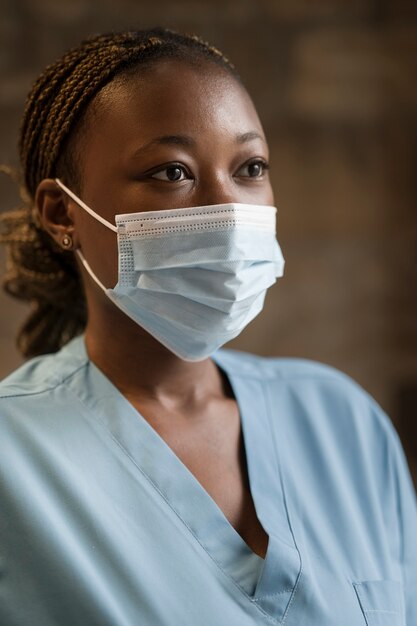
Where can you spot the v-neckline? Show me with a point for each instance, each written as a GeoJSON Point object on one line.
{"type": "Point", "coordinates": [260, 579]}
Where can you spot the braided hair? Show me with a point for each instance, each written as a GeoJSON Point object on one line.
{"type": "Point", "coordinates": [54, 119]}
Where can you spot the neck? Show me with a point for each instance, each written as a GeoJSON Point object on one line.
{"type": "Point", "coordinates": [139, 366]}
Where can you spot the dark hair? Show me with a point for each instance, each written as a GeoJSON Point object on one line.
{"type": "Point", "coordinates": [38, 270]}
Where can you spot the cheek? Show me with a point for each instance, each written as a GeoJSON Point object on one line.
{"type": "Point", "coordinates": [271, 197]}
{"type": "Point", "coordinates": [268, 194]}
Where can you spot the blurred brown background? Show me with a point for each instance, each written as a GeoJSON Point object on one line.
{"type": "Point", "coordinates": [335, 85]}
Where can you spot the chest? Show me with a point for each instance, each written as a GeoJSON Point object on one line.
{"type": "Point", "coordinates": [214, 452]}
{"type": "Point", "coordinates": [109, 531]}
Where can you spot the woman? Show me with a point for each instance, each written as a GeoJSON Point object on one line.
{"type": "Point", "coordinates": [147, 478]}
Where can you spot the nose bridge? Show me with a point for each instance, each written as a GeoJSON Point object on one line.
{"type": "Point", "coordinates": [217, 187]}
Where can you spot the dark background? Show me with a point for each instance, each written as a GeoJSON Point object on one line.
{"type": "Point", "coordinates": [335, 84]}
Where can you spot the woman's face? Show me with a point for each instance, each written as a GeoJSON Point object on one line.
{"type": "Point", "coordinates": [174, 136]}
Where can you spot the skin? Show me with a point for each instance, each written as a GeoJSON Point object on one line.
{"type": "Point", "coordinates": [218, 135]}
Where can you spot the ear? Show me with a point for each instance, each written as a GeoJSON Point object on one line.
{"type": "Point", "coordinates": [56, 211]}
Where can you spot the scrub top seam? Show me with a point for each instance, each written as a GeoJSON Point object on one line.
{"type": "Point", "coordinates": [271, 595]}
{"type": "Point", "coordinates": [278, 376]}
{"type": "Point", "coordinates": [30, 394]}
{"type": "Point", "coordinates": [48, 389]}
{"type": "Point", "coordinates": [281, 479]}
{"type": "Point", "coordinates": [126, 453]}
{"type": "Point", "coordinates": [398, 510]}
{"type": "Point", "coordinates": [381, 611]}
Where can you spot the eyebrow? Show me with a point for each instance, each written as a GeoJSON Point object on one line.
{"type": "Point", "coordinates": [187, 141]}
{"type": "Point", "coordinates": [250, 136]}
{"type": "Point", "coordinates": [166, 140]}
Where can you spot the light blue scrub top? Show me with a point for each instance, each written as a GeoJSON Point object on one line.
{"type": "Point", "coordinates": [101, 524]}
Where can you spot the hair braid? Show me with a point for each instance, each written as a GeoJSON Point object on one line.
{"type": "Point", "coordinates": [38, 270]}
{"type": "Point", "coordinates": [36, 112]}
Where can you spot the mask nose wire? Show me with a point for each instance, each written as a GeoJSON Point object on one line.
{"type": "Point", "coordinates": [85, 206]}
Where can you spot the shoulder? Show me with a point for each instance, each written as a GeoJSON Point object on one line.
{"type": "Point", "coordinates": [310, 391]}
{"type": "Point", "coordinates": [285, 369]}
{"type": "Point", "coordinates": [43, 374]}
{"type": "Point", "coordinates": [324, 422]}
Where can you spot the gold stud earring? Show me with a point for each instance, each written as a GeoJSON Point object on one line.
{"type": "Point", "coordinates": [66, 242]}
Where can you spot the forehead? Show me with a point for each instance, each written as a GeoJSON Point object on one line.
{"type": "Point", "coordinates": [171, 97]}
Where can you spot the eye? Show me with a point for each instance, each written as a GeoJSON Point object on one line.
{"type": "Point", "coordinates": [171, 174]}
{"type": "Point", "coordinates": [253, 169]}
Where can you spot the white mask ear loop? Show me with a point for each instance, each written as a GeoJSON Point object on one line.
{"type": "Point", "coordinates": [85, 206]}
{"type": "Point", "coordinates": [90, 271]}
{"type": "Point", "coordinates": [97, 217]}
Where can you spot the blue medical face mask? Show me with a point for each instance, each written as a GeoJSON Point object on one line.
{"type": "Point", "coordinates": [193, 278]}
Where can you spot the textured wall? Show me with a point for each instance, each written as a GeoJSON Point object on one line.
{"type": "Point", "coordinates": [335, 84]}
